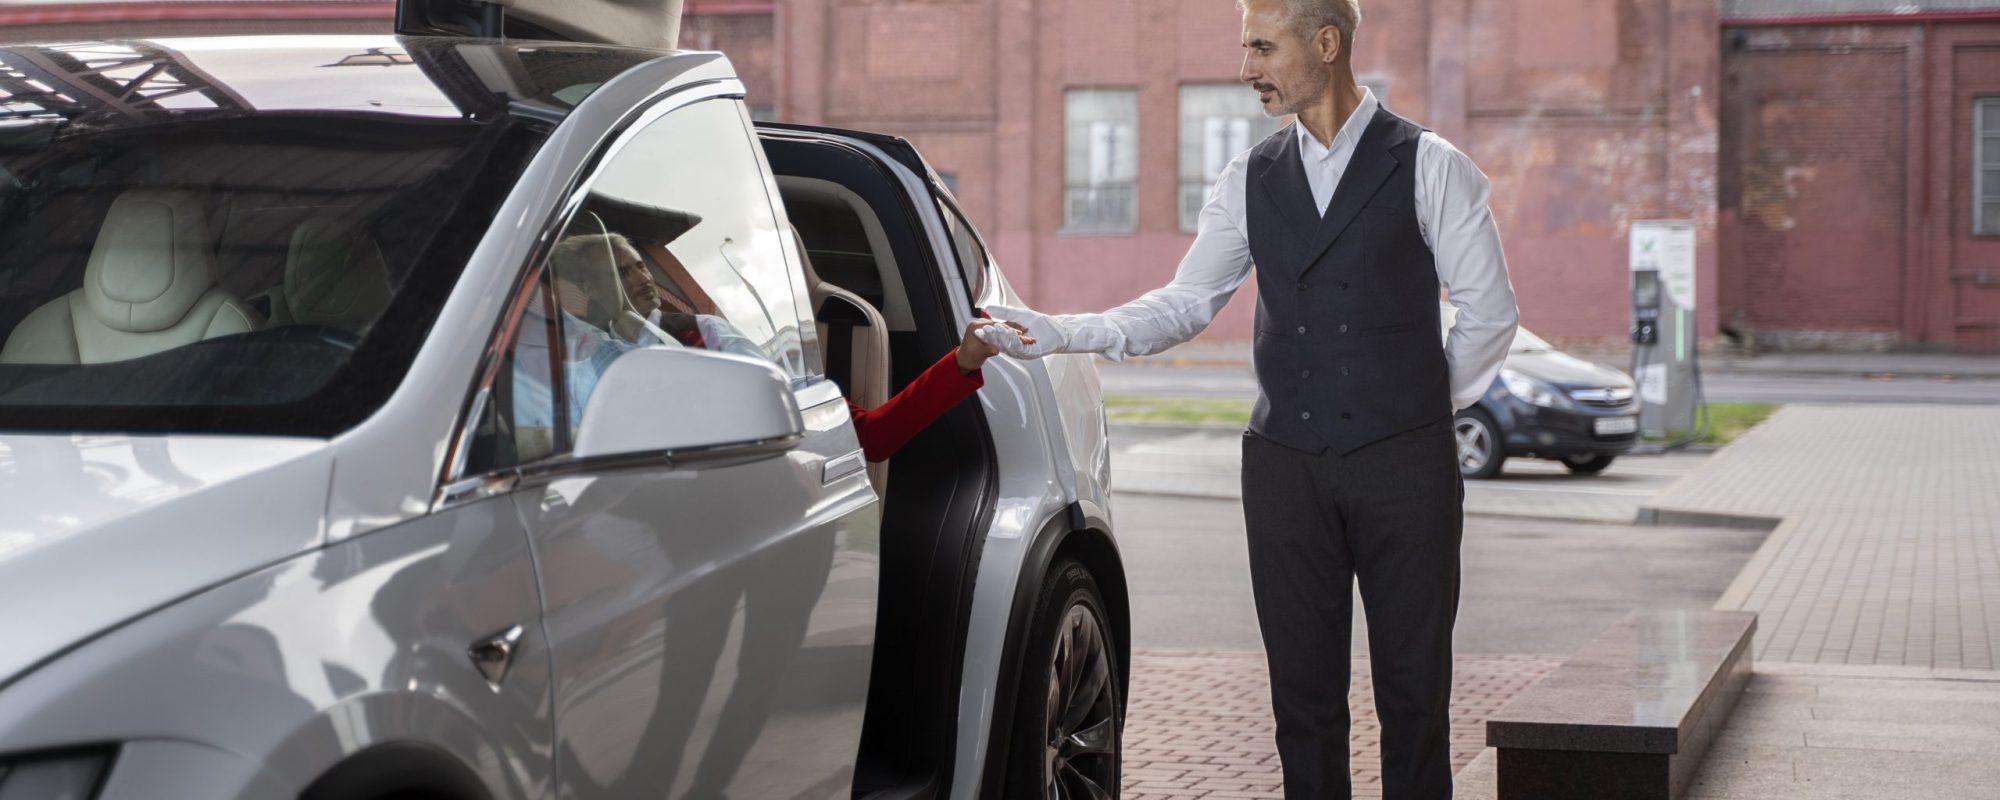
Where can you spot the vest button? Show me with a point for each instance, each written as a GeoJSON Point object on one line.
{"type": "Point", "coordinates": [1343, 372]}
{"type": "Point", "coordinates": [1345, 415]}
{"type": "Point", "coordinates": [1304, 286]}
{"type": "Point", "coordinates": [1343, 286]}
{"type": "Point", "coordinates": [1305, 415]}
{"type": "Point", "coordinates": [1302, 330]}
{"type": "Point", "coordinates": [1306, 374]}
{"type": "Point", "coordinates": [1343, 329]}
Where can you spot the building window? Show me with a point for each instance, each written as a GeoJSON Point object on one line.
{"type": "Point", "coordinates": [1101, 160]}
{"type": "Point", "coordinates": [1218, 123]}
{"type": "Point", "coordinates": [1986, 167]}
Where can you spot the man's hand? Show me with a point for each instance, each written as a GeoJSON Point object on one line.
{"type": "Point", "coordinates": [981, 344]}
{"type": "Point", "coordinates": [1040, 335]}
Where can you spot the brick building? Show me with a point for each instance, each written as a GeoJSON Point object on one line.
{"type": "Point", "coordinates": [1841, 158]}
{"type": "Point", "coordinates": [1860, 172]}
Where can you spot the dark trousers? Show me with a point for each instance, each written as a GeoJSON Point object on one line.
{"type": "Point", "coordinates": [1390, 514]}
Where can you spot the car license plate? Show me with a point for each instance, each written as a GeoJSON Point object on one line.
{"type": "Point", "coordinates": [1612, 426]}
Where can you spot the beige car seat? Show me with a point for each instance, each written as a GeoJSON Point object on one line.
{"type": "Point", "coordinates": [149, 287]}
{"type": "Point", "coordinates": [851, 332]}
{"type": "Point", "coordinates": [333, 277]}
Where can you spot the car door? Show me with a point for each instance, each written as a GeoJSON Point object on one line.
{"type": "Point", "coordinates": [710, 621]}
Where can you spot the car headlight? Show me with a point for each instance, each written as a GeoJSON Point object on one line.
{"type": "Point", "coordinates": [70, 775]}
{"type": "Point", "coordinates": [1526, 388]}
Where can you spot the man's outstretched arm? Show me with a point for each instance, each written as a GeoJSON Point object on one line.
{"type": "Point", "coordinates": [1208, 276]}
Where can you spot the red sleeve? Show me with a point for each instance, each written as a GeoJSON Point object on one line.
{"type": "Point", "coordinates": [886, 429]}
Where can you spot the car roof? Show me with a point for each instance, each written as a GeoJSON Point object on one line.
{"type": "Point", "coordinates": [144, 80]}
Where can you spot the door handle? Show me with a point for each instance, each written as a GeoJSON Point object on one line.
{"type": "Point", "coordinates": [842, 467]}
{"type": "Point", "coordinates": [493, 655]}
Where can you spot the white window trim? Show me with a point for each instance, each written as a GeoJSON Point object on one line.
{"type": "Point", "coordinates": [1980, 165]}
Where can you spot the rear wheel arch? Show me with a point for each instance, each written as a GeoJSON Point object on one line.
{"type": "Point", "coordinates": [398, 771]}
{"type": "Point", "coordinates": [1073, 535]}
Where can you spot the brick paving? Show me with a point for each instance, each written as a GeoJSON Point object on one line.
{"type": "Point", "coordinates": [1887, 552]}
{"type": "Point", "coordinates": [1200, 723]}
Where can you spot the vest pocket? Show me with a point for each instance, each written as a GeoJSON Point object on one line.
{"type": "Point", "coordinates": [1386, 330]}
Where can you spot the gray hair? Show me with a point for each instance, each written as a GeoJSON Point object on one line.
{"type": "Point", "coordinates": [1307, 17]}
{"type": "Point", "coordinates": [574, 252]}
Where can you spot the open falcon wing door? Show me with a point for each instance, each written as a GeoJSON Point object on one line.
{"type": "Point", "coordinates": [651, 24]}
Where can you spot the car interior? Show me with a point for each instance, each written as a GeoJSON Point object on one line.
{"type": "Point", "coordinates": [121, 252]}
{"type": "Point", "coordinates": [876, 278]}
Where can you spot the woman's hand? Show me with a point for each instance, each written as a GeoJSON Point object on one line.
{"type": "Point", "coordinates": [977, 347]}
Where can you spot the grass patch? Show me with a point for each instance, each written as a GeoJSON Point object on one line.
{"type": "Point", "coordinates": [1727, 421]}
{"type": "Point", "coordinates": [1217, 412]}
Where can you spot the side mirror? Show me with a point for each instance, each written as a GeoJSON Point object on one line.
{"type": "Point", "coordinates": [658, 399]}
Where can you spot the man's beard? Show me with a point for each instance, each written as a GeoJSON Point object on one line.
{"type": "Point", "coordinates": [1310, 87]}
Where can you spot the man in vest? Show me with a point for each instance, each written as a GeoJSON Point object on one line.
{"type": "Point", "coordinates": [1354, 217]}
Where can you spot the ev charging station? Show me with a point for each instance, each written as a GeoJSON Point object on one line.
{"type": "Point", "coordinates": [1663, 325]}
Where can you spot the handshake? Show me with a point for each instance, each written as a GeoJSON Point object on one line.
{"type": "Point", "coordinates": [1028, 334]}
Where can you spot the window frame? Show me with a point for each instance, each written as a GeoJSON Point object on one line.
{"type": "Point", "coordinates": [1183, 221]}
{"type": "Point", "coordinates": [455, 485]}
{"type": "Point", "coordinates": [1984, 196]}
{"type": "Point", "coordinates": [1069, 226]}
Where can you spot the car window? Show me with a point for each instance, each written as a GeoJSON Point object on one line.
{"type": "Point", "coordinates": [686, 222]}
{"type": "Point", "coordinates": [972, 260]}
{"type": "Point", "coordinates": [268, 273]}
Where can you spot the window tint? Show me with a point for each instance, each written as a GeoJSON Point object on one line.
{"type": "Point", "coordinates": [685, 223]}
{"type": "Point", "coordinates": [675, 245]}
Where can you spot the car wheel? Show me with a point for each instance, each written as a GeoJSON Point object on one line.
{"type": "Point", "coordinates": [1066, 733]}
{"type": "Point", "coordinates": [1480, 453]}
{"type": "Point", "coordinates": [1587, 465]}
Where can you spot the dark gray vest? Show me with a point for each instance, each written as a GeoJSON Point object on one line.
{"type": "Point", "coordinates": [1348, 344]}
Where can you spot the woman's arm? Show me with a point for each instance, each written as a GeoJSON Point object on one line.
{"type": "Point", "coordinates": [885, 429]}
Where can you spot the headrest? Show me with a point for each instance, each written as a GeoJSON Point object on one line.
{"type": "Point", "coordinates": [153, 261]}
{"type": "Point", "coordinates": [335, 277]}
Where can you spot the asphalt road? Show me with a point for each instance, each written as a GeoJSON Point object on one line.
{"type": "Point", "coordinates": [1721, 387]}
{"type": "Point", "coordinates": [1530, 587]}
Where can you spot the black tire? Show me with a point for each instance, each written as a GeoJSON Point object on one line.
{"type": "Point", "coordinates": [1069, 669]}
{"type": "Point", "coordinates": [1482, 448]}
{"type": "Point", "coordinates": [1588, 465]}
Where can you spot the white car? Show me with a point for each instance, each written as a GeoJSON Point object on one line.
{"type": "Point", "coordinates": [288, 508]}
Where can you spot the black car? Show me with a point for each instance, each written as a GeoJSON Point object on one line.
{"type": "Point", "coordinates": [1551, 405]}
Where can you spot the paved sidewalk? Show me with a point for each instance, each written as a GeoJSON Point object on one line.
{"type": "Point", "coordinates": [1216, 353]}
{"type": "Point", "coordinates": [1200, 723]}
{"type": "Point", "coordinates": [1811, 732]}
{"type": "Point", "coordinates": [1889, 547]}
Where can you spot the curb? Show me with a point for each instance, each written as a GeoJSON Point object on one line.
{"type": "Point", "coordinates": [1649, 515]}
{"type": "Point", "coordinates": [1747, 578]}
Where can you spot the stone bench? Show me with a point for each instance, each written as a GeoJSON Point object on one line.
{"type": "Point", "coordinates": [1630, 715]}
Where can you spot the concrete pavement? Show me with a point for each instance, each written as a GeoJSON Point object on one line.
{"type": "Point", "coordinates": [1885, 551]}
{"type": "Point", "coordinates": [1208, 463]}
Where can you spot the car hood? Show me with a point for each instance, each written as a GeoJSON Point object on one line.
{"type": "Point", "coordinates": [97, 530]}
{"type": "Point", "coordinates": [1565, 371]}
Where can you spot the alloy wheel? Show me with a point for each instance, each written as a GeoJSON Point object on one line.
{"type": "Point", "coordinates": [1082, 720]}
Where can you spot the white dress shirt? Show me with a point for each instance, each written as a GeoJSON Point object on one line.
{"type": "Point", "coordinates": [1451, 210]}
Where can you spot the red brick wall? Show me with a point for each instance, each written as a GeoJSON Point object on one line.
{"type": "Point", "coordinates": [1604, 118]}
{"type": "Point", "coordinates": [1846, 185]}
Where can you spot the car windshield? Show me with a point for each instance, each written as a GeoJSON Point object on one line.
{"type": "Point", "coordinates": [252, 234]}
{"type": "Point", "coordinates": [240, 274]}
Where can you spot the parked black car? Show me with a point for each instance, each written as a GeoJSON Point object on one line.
{"type": "Point", "coordinates": [1551, 405]}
